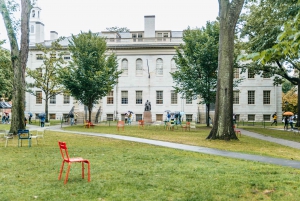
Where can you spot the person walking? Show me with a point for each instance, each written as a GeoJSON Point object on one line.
{"type": "Point", "coordinates": [42, 121]}
{"type": "Point", "coordinates": [30, 115]}
{"type": "Point", "coordinates": [286, 123]}
{"type": "Point", "coordinates": [274, 119]}
{"type": "Point", "coordinates": [291, 122]}
{"type": "Point", "coordinates": [72, 119]}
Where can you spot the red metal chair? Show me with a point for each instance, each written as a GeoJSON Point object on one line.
{"type": "Point", "coordinates": [237, 132]}
{"type": "Point", "coordinates": [120, 124]}
{"type": "Point", "coordinates": [67, 159]}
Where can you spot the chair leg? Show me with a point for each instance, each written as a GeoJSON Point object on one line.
{"type": "Point", "coordinates": [61, 170]}
{"type": "Point", "coordinates": [89, 172]}
{"type": "Point", "coordinates": [82, 170]}
{"type": "Point", "coordinates": [67, 173]}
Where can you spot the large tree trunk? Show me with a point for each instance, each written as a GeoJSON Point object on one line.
{"type": "Point", "coordinates": [298, 108]}
{"type": "Point", "coordinates": [223, 127]}
{"type": "Point", "coordinates": [19, 61]}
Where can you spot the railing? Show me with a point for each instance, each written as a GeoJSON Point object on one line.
{"type": "Point", "coordinates": [144, 40]}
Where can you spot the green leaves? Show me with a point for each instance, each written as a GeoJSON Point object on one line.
{"type": "Point", "coordinates": [92, 73]}
{"type": "Point", "coordinates": [197, 63]}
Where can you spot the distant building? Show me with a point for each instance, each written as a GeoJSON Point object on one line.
{"type": "Point", "coordinates": [146, 58]}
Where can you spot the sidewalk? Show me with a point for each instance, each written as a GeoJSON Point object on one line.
{"type": "Point", "coordinates": [205, 150]}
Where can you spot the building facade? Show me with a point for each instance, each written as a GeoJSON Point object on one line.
{"type": "Point", "coordinates": [146, 58]}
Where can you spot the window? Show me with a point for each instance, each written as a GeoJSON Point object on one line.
{"type": "Point", "coordinates": [162, 36]}
{"type": "Point", "coordinates": [159, 67]}
{"type": "Point", "coordinates": [53, 99]}
{"type": "Point", "coordinates": [236, 73]}
{"type": "Point", "coordinates": [267, 117]}
{"type": "Point", "coordinates": [267, 97]}
{"type": "Point", "coordinates": [67, 57]}
{"type": "Point", "coordinates": [251, 117]}
{"type": "Point", "coordinates": [124, 66]}
{"type": "Point", "coordinates": [32, 29]}
{"type": "Point", "coordinates": [66, 99]}
{"type": "Point", "coordinates": [138, 97]}
{"type": "Point", "coordinates": [109, 117]}
{"type": "Point", "coordinates": [188, 101]}
{"type": "Point", "coordinates": [251, 97]}
{"type": "Point", "coordinates": [39, 57]}
{"type": "Point", "coordinates": [266, 74]}
{"type": "Point", "coordinates": [173, 97]}
{"type": "Point", "coordinates": [52, 56]}
{"type": "Point", "coordinates": [52, 116]}
{"type": "Point", "coordinates": [189, 117]}
{"type": "Point", "coordinates": [138, 117]}
{"type": "Point", "coordinates": [33, 13]}
{"type": "Point", "coordinates": [159, 117]}
{"type": "Point", "coordinates": [139, 67]}
{"type": "Point", "coordinates": [159, 97]}
{"type": "Point", "coordinates": [173, 65]}
{"type": "Point", "coordinates": [124, 97]}
{"type": "Point", "coordinates": [38, 95]}
{"type": "Point", "coordinates": [236, 97]}
{"type": "Point", "coordinates": [250, 73]}
{"type": "Point", "coordinates": [40, 71]}
{"type": "Point", "coordinates": [110, 98]}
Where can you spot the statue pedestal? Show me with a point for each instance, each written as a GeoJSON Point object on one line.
{"type": "Point", "coordinates": [147, 117]}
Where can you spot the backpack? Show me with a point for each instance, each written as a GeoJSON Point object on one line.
{"type": "Point", "coordinates": [273, 115]}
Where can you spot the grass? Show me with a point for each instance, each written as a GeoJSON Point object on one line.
{"type": "Point", "coordinates": [244, 144]}
{"type": "Point", "coordinates": [122, 170]}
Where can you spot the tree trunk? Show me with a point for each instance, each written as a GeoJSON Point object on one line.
{"type": "Point", "coordinates": [207, 114]}
{"type": "Point", "coordinates": [223, 127]}
{"type": "Point", "coordinates": [298, 108]}
{"type": "Point", "coordinates": [19, 61]}
{"type": "Point", "coordinates": [46, 107]}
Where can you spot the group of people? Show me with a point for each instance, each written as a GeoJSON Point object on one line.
{"type": "Point", "coordinates": [287, 120]}
{"type": "Point", "coordinates": [128, 118]}
{"type": "Point", "coordinates": [5, 119]}
{"type": "Point", "coordinates": [173, 118]}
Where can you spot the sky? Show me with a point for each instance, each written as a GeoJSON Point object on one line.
{"type": "Point", "coordinates": [68, 17]}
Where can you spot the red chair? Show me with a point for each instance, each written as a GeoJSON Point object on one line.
{"type": "Point", "coordinates": [141, 124]}
{"type": "Point", "coordinates": [237, 132]}
{"type": "Point", "coordinates": [67, 159]}
{"type": "Point", "coordinates": [120, 124]}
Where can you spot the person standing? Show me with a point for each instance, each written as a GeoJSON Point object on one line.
{"type": "Point", "coordinates": [286, 123]}
{"type": "Point", "coordinates": [129, 118]}
{"type": "Point", "coordinates": [42, 121]}
{"type": "Point", "coordinates": [72, 119]}
{"type": "Point", "coordinates": [274, 119]}
{"type": "Point", "coordinates": [291, 122]}
{"type": "Point", "coordinates": [30, 115]}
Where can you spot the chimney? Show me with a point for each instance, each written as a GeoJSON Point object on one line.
{"type": "Point", "coordinates": [149, 23]}
{"type": "Point", "coordinates": [53, 35]}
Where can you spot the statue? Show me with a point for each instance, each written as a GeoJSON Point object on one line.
{"type": "Point", "coordinates": [147, 106]}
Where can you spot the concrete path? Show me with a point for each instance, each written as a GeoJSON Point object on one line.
{"type": "Point", "coordinates": [205, 150]}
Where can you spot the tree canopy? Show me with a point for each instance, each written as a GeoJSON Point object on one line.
{"type": "Point", "coordinates": [19, 57]}
{"type": "Point", "coordinates": [6, 74]}
{"type": "Point", "coordinates": [46, 77]}
{"type": "Point", "coordinates": [92, 73]}
{"type": "Point", "coordinates": [197, 63]}
{"type": "Point", "coordinates": [118, 29]}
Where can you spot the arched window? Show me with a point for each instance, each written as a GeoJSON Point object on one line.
{"type": "Point", "coordinates": [32, 28]}
{"type": "Point", "coordinates": [33, 13]}
{"type": "Point", "coordinates": [159, 67]}
{"type": "Point", "coordinates": [173, 65]}
{"type": "Point", "coordinates": [124, 66]}
{"type": "Point", "coordinates": [139, 67]}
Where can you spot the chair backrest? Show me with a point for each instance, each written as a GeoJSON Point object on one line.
{"type": "Point", "coordinates": [141, 122]}
{"type": "Point", "coordinates": [64, 150]}
{"type": "Point", "coordinates": [3, 132]}
{"type": "Point", "coordinates": [121, 123]}
{"type": "Point", "coordinates": [23, 134]}
{"type": "Point", "coordinates": [188, 124]}
{"type": "Point", "coordinates": [192, 124]}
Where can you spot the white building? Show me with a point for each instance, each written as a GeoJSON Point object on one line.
{"type": "Point", "coordinates": [146, 57]}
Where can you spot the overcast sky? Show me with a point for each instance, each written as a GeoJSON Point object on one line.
{"type": "Point", "coordinates": [72, 16]}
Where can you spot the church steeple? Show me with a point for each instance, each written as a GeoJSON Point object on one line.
{"type": "Point", "coordinates": [36, 26]}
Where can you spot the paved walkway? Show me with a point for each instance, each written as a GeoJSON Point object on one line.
{"type": "Point", "coordinates": [258, 158]}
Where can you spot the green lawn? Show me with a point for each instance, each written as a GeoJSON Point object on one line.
{"type": "Point", "coordinates": [198, 137]}
{"type": "Point", "coordinates": [122, 170]}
